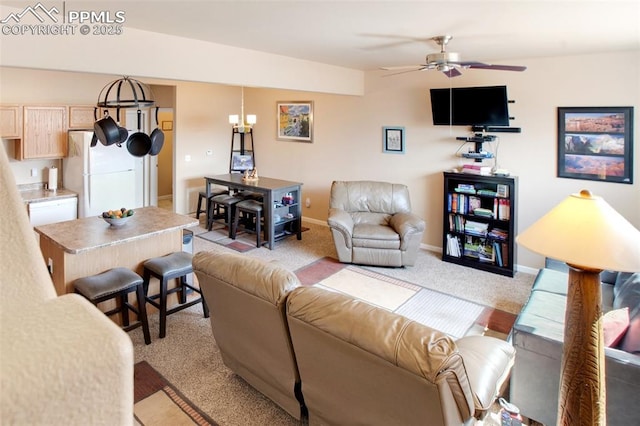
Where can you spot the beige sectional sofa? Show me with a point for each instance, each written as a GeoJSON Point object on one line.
{"type": "Point", "coordinates": [338, 360]}
{"type": "Point", "coordinates": [62, 361]}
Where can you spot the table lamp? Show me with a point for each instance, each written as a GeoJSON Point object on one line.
{"type": "Point", "coordinates": [590, 236]}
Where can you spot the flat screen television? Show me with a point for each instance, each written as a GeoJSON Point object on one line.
{"type": "Point", "coordinates": [470, 106]}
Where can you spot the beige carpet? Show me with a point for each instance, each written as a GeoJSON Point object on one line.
{"type": "Point", "coordinates": [190, 360]}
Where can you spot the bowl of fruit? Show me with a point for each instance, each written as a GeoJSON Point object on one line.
{"type": "Point", "coordinates": [117, 217]}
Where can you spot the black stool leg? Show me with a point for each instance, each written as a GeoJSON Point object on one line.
{"type": "Point", "coordinates": [199, 208]}
{"type": "Point", "coordinates": [236, 222]}
{"type": "Point", "coordinates": [183, 289]}
{"type": "Point", "coordinates": [163, 307]}
{"type": "Point", "coordinates": [124, 310]}
{"type": "Point", "coordinates": [142, 313]}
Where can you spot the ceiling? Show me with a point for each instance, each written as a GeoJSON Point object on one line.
{"type": "Point", "coordinates": [367, 35]}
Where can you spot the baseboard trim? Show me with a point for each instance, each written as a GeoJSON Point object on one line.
{"type": "Point", "coordinates": [434, 249]}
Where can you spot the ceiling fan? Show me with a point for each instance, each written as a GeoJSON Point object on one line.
{"type": "Point", "coordinates": [449, 62]}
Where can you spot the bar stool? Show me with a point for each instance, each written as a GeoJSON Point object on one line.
{"type": "Point", "coordinates": [227, 203]}
{"type": "Point", "coordinates": [202, 195]}
{"type": "Point", "coordinates": [117, 283]}
{"type": "Point", "coordinates": [253, 209]}
{"type": "Point", "coordinates": [165, 268]}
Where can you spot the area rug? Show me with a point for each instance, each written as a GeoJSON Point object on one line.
{"type": "Point", "coordinates": [159, 403]}
{"type": "Point", "coordinates": [244, 241]}
{"type": "Point", "coordinates": [451, 315]}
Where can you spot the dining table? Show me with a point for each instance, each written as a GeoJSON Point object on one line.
{"type": "Point", "coordinates": [281, 202]}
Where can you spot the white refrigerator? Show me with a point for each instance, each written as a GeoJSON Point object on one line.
{"type": "Point", "coordinates": [105, 177]}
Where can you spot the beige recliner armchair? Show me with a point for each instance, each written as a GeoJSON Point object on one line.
{"type": "Point", "coordinates": [372, 224]}
{"type": "Point", "coordinates": [246, 299]}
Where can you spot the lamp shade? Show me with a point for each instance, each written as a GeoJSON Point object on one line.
{"type": "Point", "coordinates": [584, 230]}
{"type": "Point", "coordinates": [233, 119]}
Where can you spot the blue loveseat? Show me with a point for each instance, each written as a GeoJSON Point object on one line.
{"type": "Point", "coordinates": [538, 336]}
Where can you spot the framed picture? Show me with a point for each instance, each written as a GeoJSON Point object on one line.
{"type": "Point", "coordinates": [241, 162]}
{"type": "Point", "coordinates": [596, 143]}
{"type": "Point", "coordinates": [393, 140]}
{"type": "Point", "coordinates": [167, 125]}
{"type": "Point", "coordinates": [295, 121]}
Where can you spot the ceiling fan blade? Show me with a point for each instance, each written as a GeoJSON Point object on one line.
{"type": "Point", "coordinates": [406, 71]}
{"type": "Point", "coordinates": [453, 72]}
{"type": "Point", "coordinates": [402, 67]}
{"type": "Point", "coordinates": [498, 67]}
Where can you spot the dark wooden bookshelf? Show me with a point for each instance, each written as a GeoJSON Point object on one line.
{"type": "Point", "coordinates": [479, 221]}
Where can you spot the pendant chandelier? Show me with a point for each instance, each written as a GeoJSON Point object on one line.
{"type": "Point", "coordinates": [242, 124]}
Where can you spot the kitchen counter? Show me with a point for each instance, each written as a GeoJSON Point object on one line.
{"type": "Point", "coordinates": [83, 247]}
{"type": "Point", "coordinates": [33, 195]}
{"type": "Point", "coordinates": [90, 233]}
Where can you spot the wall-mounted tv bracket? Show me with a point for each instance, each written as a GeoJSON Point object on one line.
{"type": "Point", "coordinates": [498, 129]}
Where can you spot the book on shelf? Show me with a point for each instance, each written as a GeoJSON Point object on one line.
{"type": "Point", "coordinates": [474, 203]}
{"type": "Point", "coordinates": [478, 229]}
{"type": "Point", "coordinates": [498, 253]}
{"type": "Point", "coordinates": [504, 207]}
{"type": "Point", "coordinates": [482, 212]}
{"type": "Point", "coordinates": [487, 192]}
{"type": "Point", "coordinates": [476, 169]}
{"type": "Point", "coordinates": [502, 190]}
{"type": "Point", "coordinates": [498, 234]}
{"type": "Point", "coordinates": [453, 246]}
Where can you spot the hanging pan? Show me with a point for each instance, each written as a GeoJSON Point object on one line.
{"type": "Point", "coordinates": [124, 133]}
{"type": "Point", "coordinates": [157, 138]}
{"type": "Point", "coordinates": [139, 143]}
{"type": "Point", "coordinates": [94, 138]}
{"type": "Point", "coordinates": [107, 130]}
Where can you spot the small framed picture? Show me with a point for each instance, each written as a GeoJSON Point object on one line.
{"type": "Point", "coordinates": [167, 125]}
{"type": "Point", "coordinates": [393, 140]}
{"type": "Point", "coordinates": [596, 143]}
{"type": "Point", "coordinates": [241, 162]}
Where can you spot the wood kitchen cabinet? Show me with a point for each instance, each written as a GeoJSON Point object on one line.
{"type": "Point", "coordinates": [44, 133]}
{"type": "Point", "coordinates": [10, 121]}
{"type": "Point", "coordinates": [82, 117]}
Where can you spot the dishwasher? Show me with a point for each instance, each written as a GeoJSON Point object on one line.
{"type": "Point", "coordinates": [52, 211]}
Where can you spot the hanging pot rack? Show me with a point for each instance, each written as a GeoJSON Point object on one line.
{"type": "Point", "coordinates": [125, 92]}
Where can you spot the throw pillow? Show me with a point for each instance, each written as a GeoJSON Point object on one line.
{"type": "Point", "coordinates": [631, 341]}
{"type": "Point", "coordinates": [614, 325]}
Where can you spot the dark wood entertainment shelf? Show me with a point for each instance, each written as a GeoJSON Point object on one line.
{"type": "Point", "coordinates": [479, 222]}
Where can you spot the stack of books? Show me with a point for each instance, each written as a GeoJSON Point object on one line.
{"type": "Point", "coordinates": [478, 229]}
{"type": "Point", "coordinates": [476, 169]}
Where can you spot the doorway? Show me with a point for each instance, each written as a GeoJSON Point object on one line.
{"type": "Point", "coordinates": [165, 160]}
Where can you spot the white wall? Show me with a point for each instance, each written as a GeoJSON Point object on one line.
{"type": "Point", "coordinates": [348, 132]}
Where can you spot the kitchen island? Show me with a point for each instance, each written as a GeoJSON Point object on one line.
{"type": "Point", "coordinates": [88, 246]}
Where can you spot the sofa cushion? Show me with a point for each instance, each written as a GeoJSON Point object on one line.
{"type": "Point", "coordinates": [614, 325]}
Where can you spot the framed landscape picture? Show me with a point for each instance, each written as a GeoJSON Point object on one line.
{"type": "Point", "coordinates": [295, 121]}
{"type": "Point", "coordinates": [596, 143]}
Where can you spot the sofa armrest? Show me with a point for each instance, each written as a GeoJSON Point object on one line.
{"type": "Point", "coordinates": [66, 363]}
{"type": "Point", "coordinates": [342, 221]}
{"type": "Point", "coordinates": [406, 225]}
{"type": "Point", "coordinates": [488, 362]}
